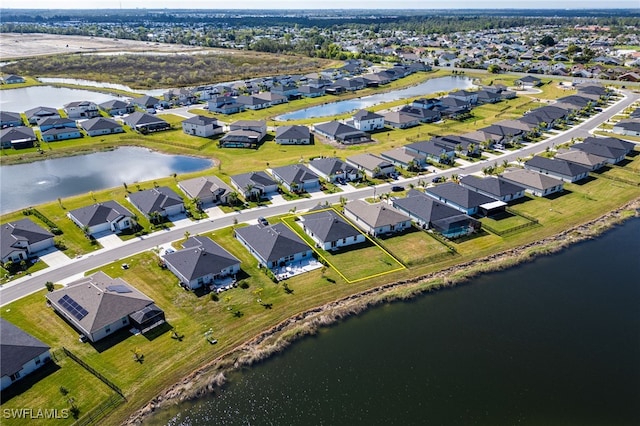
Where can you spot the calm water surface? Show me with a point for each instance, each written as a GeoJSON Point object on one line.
{"type": "Point", "coordinates": [24, 185]}
{"type": "Point", "coordinates": [102, 85]}
{"type": "Point", "coordinates": [25, 98]}
{"type": "Point", "coordinates": [553, 342]}
{"type": "Point", "coordinates": [435, 85]}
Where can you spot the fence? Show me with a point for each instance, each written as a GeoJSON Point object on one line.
{"type": "Point", "coordinates": [532, 222]}
{"type": "Point", "coordinates": [100, 411]}
{"type": "Point", "coordinates": [93, 371]}
{"type": "Point", "coordinates": [617, 179]}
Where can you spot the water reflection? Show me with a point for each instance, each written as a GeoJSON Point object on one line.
{"type": "Point", "coordinates": [25, 98]}
{"type": "Point", "coordinates": [24, 185]}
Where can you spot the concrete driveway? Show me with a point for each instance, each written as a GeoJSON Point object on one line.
{"type": "Point", "coordinates": [55, 258]}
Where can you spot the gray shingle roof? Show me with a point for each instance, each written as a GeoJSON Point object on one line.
{"type": "Point", "coordinates": [97, 295]}
{"type": "Point", "coordinates": [201, 120]}
{"type": "Point", "coordinates": [272, 242]}
{"type": "Point", "coordinates": [561, 167]}
{"type": "Point", "coordinates": [331, 166]}
{"type": "Point", "coordinates": [492, 185]}
{"type": "Point", "coordinates": [258, 180]}
{"type": "Point", "coordinates": [424, 207]}
{"type": "Point", "coordinates": [199, 257]}
{"type": "Point", "coordinates": [376, 215]}
{"type": "Point", "coordinates": [143, 119]}
{"type": "Point", "coordinates": [99, 213]}
{"type": "Point", "coordinates": [16, 348]}
{"type": "Point", "coordinates": [205, 186]}
{"type": "Point", "coordinates": [531, 179]}
{"type": "Point", "coordinates": [155, 199]}
{"type": "Point", "coordinates": [296, 173]}
{"type": "Point", "coordinates": [459, 195]}
{"type": "Point", "coordinates": [16, 133]}
{"type": "Point", "coordinates": [20, 230]}
{"type": "Point", "coordinates": [611, 142]}
{"type": "Point", "coordinates": [600, 150]}
{"type": "Point", "coordinates": [292, 132]}
{"type": "Point", "coordinates": [99, 123]}
{"type": "Point", "coordinates": [328, 226]}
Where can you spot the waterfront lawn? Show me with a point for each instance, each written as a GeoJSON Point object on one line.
{"type": "Point", "coordinates": [626, 173]}
{"type": "Point", "coordinates": [414, 247]}
{"type": "Point", "coordinates": [503, 222]}
{"type": "Point", "coordinates": [353, 263]}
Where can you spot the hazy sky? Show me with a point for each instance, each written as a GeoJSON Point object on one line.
{"type": "Point", "coordinates": [321, 4]}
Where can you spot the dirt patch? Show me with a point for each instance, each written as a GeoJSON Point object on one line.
{"type": "Point", "coordinates": [15, 46]}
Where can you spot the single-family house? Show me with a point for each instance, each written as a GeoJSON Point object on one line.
{"type": "Point", "coordinates": [342, 133]}
{"type": "Point", "coordinates": [21, 354]}
{"type": "Point", "coordinates": [258, 126]}
{"type": "Point", "coordinates": [330, 230]}
{"type": "Point", "coordinates": [629, 127]}
{"type": "Point", "coordinates": [201, 261]}
{"type": "Point", "coordinates": [289, 91]}
{"type": "Point", "coordinates": [162, 201]}
{"type": "Point", "coordinates": [224, 105]}
{"type": "Point", "coordinates": [611, 154]}
{"type": "Point", "coordinates": [35, 114]}
{"type": "Point", "coordinates": [10, 119]}
{"type": "Point", "coordinates": [274, 246]}
{"type": "Point", "coordinates": [206, 189]}
{"type": "Point", "coordinates": [438, 153]}
{"type": "Point", "coordinates": [147, 103]}
{"type": "Point", "coordinates": [494, 187]}
{"type": "Point", "coordinates": [293, 135]}
{"type": "Point", "coordinates": [296, 177]}
{"type": "Point", "coordinates": [548, 115]}
{"type": "Point", "coordinates": [424, 115]}
{"type": "Point", "coordinates": [461, 198]}
{"type": "Point", "coordinates": [202, 126]}
{"type": "Point", "coordinates": [560, 169]}
{"type": "Point", "coordinates": [376, 219]}
{"type": "Point", "coordinates": [402, 157]}
{"type": "Point", "coordinates": [452, 107]}
{"type": "Point", "coordinates": [81, 110]}
{"type": "Point", "coordinates": [17, 137]}
{"type": "Point", "coordinates": [466, 96]}
{"type": "Point", "coordinates": [488, 97]}
{"type": "Point", "coordinates": [240, 139]}
{"type": "Point", "coordinates": [308, 91]}
{"type": "Point", "coordinates": [22, 239]}
{"type": "Point", "coordinates": [253, 102]}
{"type": "Point", "coordinates": [101, 126]}
{"type": "Point", "coordinates": [254, 185]}
{"type": "Point", "coordinates": [464, 144]}
{"type": "Point", "coordinates": [108, 216]}
{"type": "Point", "coordinates": [528, 81]}
{"type": "Point", "coordinates": [616, 143]}
{"type": "Point", "coordinates": [401, 119]}
{"type": "Point", "coordinates": [334, 169]}
{"type": "Point", "coordinates": [534, 183]}
{"type": "Point", "coordinates": [98, 305]}
{"type": "Point", "coordinates": [502, 134]}
{"type": "Point", "coordinates": [57, 129]}
{"type": "Point", "coordinates": [117, 107]}
{"type": "Point", "coordinates": [144, 122]}
{"type": "Point", "coordinates": [351, 84]}
{"type": "Point", "coordinates": [591, 161]}
{"type": "Point", "coordinates": [372, 165]}
{"type": "Point", "coordinates": [575, 102]}
{"type": "Point", "coordinates": [428, 213]}
{"type": "Point", "coordinates": [12, 79]}
{"type": "Point", "coordinates": [180, 96]}
{"type": "Point", "coordinates": [368, 121]}
{"type": "Point", "coordinates": [272, 98]}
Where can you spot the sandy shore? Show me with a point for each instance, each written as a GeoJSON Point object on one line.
{"type": "Point", "coordinates": [210, 377]}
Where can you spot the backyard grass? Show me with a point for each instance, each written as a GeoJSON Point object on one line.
{"type": "Point", "coordinates": [350, 261]}
{"type": "Point", "coordinates": [414, 247]}
{"type": "Point", "coordinates": [505, 221]}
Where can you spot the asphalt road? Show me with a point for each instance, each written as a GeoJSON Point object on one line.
{"type": "Point", "coordinates": [30, 284]}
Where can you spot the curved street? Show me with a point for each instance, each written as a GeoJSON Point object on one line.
{"type": "Point", "coordinates": [30, 284]}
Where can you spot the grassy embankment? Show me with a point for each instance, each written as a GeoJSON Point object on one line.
{"type": "Point", "coordinates": [237, 316]}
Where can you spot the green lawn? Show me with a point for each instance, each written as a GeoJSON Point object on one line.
{"type": "Point", "coordinates": [414, 247]}
{"type": "Point", "coordinates": [504, 222]}
{"type": "Point", "coordinates": [349, 261]}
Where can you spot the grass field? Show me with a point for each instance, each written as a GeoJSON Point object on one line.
{"type": "Point", "coordinates": [505, 222]}
{"type": "Point", "coordinates": [414, 247]}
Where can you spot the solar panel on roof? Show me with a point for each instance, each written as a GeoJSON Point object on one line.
{"type": "Point", "coordinates": [119, 288]}
{"type": "Point", "coordinates": [73, 307]}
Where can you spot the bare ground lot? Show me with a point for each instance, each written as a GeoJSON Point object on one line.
{"type": "Point", "coordinates": [15, 46]}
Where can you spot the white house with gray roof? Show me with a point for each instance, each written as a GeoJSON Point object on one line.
{"type": "Point", "coordinates": [117, 107]}
{"type": "Point", "coordinates": [101, 126]}
{"type": "Point", "coordinates": [145, 122]}
{"type": "Point", "coordinates": [293, 135]}
{"type": "Point", "coordinates": [367, 121]}
{"type": "Point", "coordinates": [19, 137]}
{"type": "Point", "coordinates": [81, 110]}
{"type": "Point", "coordinates": [162, 200]}
{"type": "Point", "coordinates": [460, 198]}
{"type": "Point", "coordinates": [208, 189]}
{"type": "Point", "coordinates": [329, 230]}
{"type": "Point", "coordinates": [109, 216]}
{"type": "Point", "coordinates": [273, 245]}
{"type": "Point", "coordinates": [254, 184]}
{"type": "Point", "coordinates": [534, 183]}
{"type": "Point", "coordinates": [38, 113]}
{"type": "Point", "coordinates": [21, 354]}
{"type": "Point", "coordinates": [593, 162]}
{"type": "Point", "coordinates": [202, 126]}
{"type": "Point", "coordinates": [494, 187]}
{"type": "Point", "coordinates": [21, 239]}
{"type": "Point", "coordinates": [376, 219]}
{"type": "Point", "coordinates": [333, 169]}
{"type": "Point", "coordinates": [200, 262]}
{"type": "Point", "coordinates": [371, 165]}
{"type": "Point", "coordinates": [296, 177]}
{"type": "Point", "coordinates": [560, 169]}
{"type": "Point", "coordinates": [98, 305]}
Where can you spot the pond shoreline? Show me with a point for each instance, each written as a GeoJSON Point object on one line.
{"type": "Point", "coordinates": [210, 377]}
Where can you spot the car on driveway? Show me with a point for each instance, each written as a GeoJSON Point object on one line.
{"type": "Point", "coordinates": [262, 221]}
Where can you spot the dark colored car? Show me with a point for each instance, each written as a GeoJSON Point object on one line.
{"type": "Point", "coordinates": [438, 179]}
{"type": "Point", "coordinates": [397, 188]}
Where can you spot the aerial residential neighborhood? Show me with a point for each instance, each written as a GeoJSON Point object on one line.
{"type": "Point", "coordinates": [258, 175]}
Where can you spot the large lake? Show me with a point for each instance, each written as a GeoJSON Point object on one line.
{"type": "Point", "coordinates": [435, 85]}
{"type": "Point", "coordinates": [25, 98]}
{"type": "Point", "coordinates": [24, 185]}
{"type": "Point", "coordinates": [552, 342]}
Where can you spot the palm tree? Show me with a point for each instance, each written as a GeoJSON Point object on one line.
{"type": "Point", "coordinates": [232, 199]}
{"type": "Point", "coordinates": [248, 190]}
